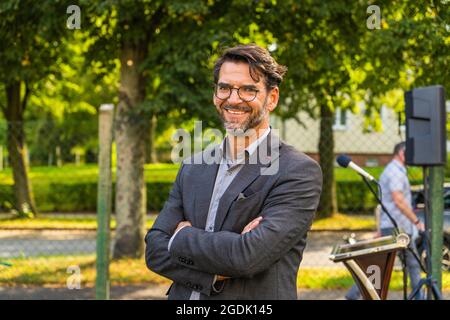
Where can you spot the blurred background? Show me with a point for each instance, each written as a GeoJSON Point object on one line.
{"type": "Point", "coordinates": [349, 64]}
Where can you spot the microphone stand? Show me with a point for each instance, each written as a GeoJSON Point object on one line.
{"type": "Point", "coordinates": [428, 281]}
{"type": "Point", "coordinates": [396, 231]}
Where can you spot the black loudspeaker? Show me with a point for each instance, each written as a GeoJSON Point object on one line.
{"type": "Point", "coordinates": [425, 126]}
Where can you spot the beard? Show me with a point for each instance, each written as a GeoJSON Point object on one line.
{"type": "Point", "coordinates": [240, 127]}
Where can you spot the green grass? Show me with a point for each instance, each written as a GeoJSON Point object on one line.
{"type": "Point", "coordinates": [52, 271]}
{"type": "Point", "coordinates": [345, 222]}
{"type": "Point", "coordinates": [54, 222]}
{"type": "Point", "coordinates": [160, 172]}
{"type": "Point", "coordinates": [342, 174]}
{"type": "Point", "coordinates": [333, 278]}
{"type": "Point", "coordinates": [337, 222]}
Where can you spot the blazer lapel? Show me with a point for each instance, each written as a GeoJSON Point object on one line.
{"type": "Point", "coordinates": [246, 176]}
{"type": "Point", "coordinates": [203, 191]}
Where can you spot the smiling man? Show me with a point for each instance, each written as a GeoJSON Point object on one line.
{"type": "Point", "coordinates": [236, 229]}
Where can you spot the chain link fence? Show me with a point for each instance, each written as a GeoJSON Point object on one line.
{"type": "Point", "coordinates": [57, 247]}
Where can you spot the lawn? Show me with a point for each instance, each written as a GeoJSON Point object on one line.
{"type": "Point", "coordinates": [89, 222]}
{"type": "Point", "coordinates": [161, 172]}
{"type": "Point", "coordinates": [82, 222]}
{"type": "Point", "coordinates": [345, 222]}
{"type": "Point", "coordinates": [88, 173]}
{"type": "Point", "coordinates": [53, 271]}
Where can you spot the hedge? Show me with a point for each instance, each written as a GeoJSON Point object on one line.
{"type": "Point", "coordinates": [78, 197]}
{"type": "Point", "coordinates": [352, 196]}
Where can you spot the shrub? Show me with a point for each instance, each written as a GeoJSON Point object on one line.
{"type": "Point", "coordinates": [78, 197]}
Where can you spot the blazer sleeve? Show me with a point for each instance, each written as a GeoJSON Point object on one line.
{"type": "Point", "coordinates": [157, 256]}
{"type": "Point", "coordinates": [288, 212]}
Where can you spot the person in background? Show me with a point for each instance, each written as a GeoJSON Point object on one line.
{"type": "Point", "coordinates": [396, 197]}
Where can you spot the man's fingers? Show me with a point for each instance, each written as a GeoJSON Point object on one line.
{"type": "Point", "coordinates": [421, 227]}
{"type": "Point", "coordinates": [182, 224]}
{"type": "Point", "coordinates": [252, 225]}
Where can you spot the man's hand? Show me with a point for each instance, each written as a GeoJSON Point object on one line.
{"type": "Point", "coordinates": [252, 225]}
{"type": "Point", "coordinates": [420, 226]}
{"type": "Point", "coordinates": [183, 224]}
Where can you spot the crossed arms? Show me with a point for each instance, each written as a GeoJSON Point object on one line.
{"type": "Point", "coordinates": [287, 214]}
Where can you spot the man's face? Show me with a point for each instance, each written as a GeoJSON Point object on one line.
{"type": "Point", "coordinates": [237, 115]}
{"type": "Point", "coordinates": [401, 155]}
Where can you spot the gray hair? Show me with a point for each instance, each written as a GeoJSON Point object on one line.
{"type": "Point", "coordinates": [399, 147]}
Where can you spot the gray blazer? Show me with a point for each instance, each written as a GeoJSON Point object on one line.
{"type": "Point", "coordinates": [261, 264]}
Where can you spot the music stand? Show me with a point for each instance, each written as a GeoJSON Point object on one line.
{"type": "Point", "coordinates": [371, 260]}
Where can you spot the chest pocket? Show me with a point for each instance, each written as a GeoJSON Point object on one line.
{"type": "Point", "coordinates": [244, 210]}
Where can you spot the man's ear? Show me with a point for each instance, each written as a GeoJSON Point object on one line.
{"type": "Point", "coordinates": [274, 95]}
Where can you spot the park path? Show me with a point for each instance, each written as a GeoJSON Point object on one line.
{"type": "Point", "coordinates": [71, 242]}
{"type": "Point", "coordinates": [29, 243]}
{"type": "Point", "coordinates": [154, 292]}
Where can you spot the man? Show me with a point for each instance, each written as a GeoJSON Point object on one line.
{"type": "Point", "coordinates": [396, 197]}
{"type": "Point", "coordinates": [237, 229]}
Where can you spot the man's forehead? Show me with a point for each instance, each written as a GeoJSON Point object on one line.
{"type": "Point", "coordinates": [236, 72]}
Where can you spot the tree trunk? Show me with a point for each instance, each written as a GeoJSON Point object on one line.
{"type": "Point", "coordinates": [151, 156]}
{"type": "Point", "coordinates": [328, 203]}
{"type": "Point", "coordinates": [131, 130]}
{"type": "Point", "coordinates": [17, 150]}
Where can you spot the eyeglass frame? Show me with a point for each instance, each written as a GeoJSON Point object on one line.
{"type": "Point", "coordinates": [237, 90]}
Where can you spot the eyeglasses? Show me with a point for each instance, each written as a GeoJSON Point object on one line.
{"type": "Point", "coordinates": [245, 93]}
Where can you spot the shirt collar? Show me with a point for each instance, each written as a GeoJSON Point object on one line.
{"type": "Point", "coordinates": [399, 165]}
{"type": "Point", "coordinates": [247, 151]}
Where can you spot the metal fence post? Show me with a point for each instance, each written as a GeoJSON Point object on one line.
{"type": "Point", "coordinates": [437, 221]}
{"type": "Point", "coordinates": [104, 201]}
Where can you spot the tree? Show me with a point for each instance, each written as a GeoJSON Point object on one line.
{"type": "Point", "coordinates": [130, 31]}
{"type": "Point", "coordinates": [337, 61]}
{"type": "Point", "coordinates": [31, 36]}
{"type": "Point", "coordinates": [318, 42]}
{"type": "Point", "coordinates": [410, 49]}
{"type": "Point", "coordinates": [63, 111]}
{"type": "Point", "coordinates": [166, 49]}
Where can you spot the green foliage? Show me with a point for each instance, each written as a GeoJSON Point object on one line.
{"type": "Point", "coordinates": [79, 197]}
{"type": "Point", "coordinates": [31, 35]}
{"type": "Point", "coordinates": [333, 60]}
{"type": "Point", "coordinates": [73, 189]}
{"type": "Point", "coordinates": [411, 48]}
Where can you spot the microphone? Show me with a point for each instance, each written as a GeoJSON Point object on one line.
{"type": "Point", "coordinates": [345, 161]}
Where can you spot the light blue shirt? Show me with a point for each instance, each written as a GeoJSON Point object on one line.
{"type": "Point", "coordinates": [395, 178]}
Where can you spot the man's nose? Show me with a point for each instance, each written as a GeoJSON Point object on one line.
{"type": "Point", "coordinates": [234, 97]}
